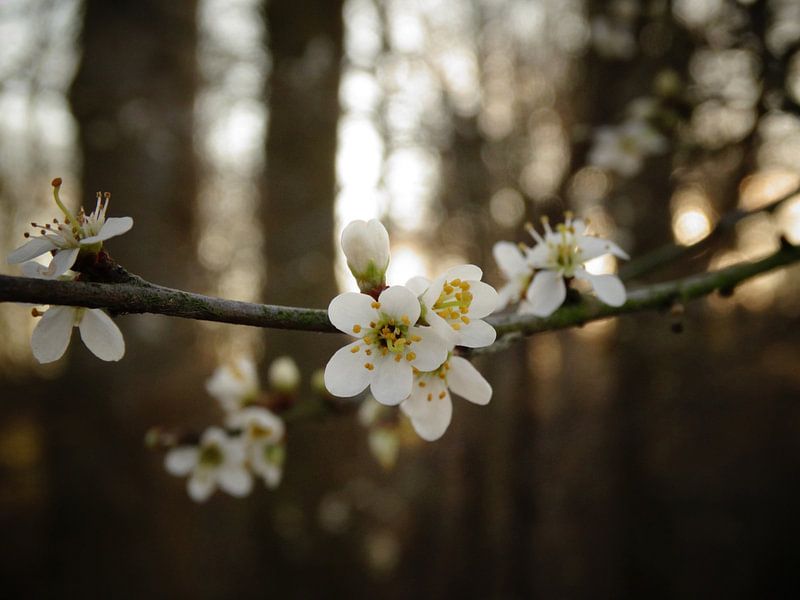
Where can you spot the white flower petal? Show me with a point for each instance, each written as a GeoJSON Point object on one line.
{"type": "Point", "coordinates": [476, 334]}
{"type": "Point", "coordinates": [61, 263]}
{"type": "Point", "coordinates": [418, 285]}
{"type": "Point", "coordinates": [464, 273]}
{"type": "Point", "coordinates": [350, 309]}
{"type": "Point", "coordinates": [111, 228]}
{"type": "Point", "coordinates": [345, 374]}
{"type": "Point", "coordinates": [509, 259]}
{"type": "Point", "coordinates": [392, 381]}
{"type": "Point", "coordinates": [52, 333]}
{"type": "Point", "coordinates": [181, 460]}
{"type": "Point", "coordinates": [484, 299]}
{"type": "Point", "coordinates": [237, 481]}
{"type": "Point", "coordinates": [592, 247]}
{"type": "Point", "coordinates": [430, 418]}
{"type": "Point", "coordinates": [546, 293]}
{"type": "Point", "coordinates": [399, 301]}
{"type": "Point", "coordinates": [201, 485]}
{"type": "Point", "coordinates": [431, 350]}
{"type": "Point", "coordinates": [466, 381]}
{"type": "Point", "coordinates": [31, 249]}
{"type": "Point", "coordinates": [539, 256]}
{"type": "Point", "coordinates": [609, 288]}
{"type": "Point", "coordinates": [101, 335]}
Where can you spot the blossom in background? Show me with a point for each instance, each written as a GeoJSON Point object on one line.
{"type": "Point", "coordinates": [68, 239]}
{"type": "Point", "coordinates": [218, 460]}
{"type": "Point", "coordinates": [562, 253]}
{"type": "Point", "coordinates": [623, 148]}
{"type": "Point", "coordinates": [516, 270]}
{"type": "Point", "coordinates": [455, 304]}
{"type": "Point", "coordinates": [430, 408]}
{"type": "Point", "coordinates": [366, 248]}
{"type": "Point", "coordinates": [388, 347]}
{"type": "Point", "coordinates": [262, 434]}
{"type": "Point", "coordinates": [234, 384]}
{"type": "Point", "coordinates": [613, 39]}
{"type": "Point", "coordinates": [283, 375]}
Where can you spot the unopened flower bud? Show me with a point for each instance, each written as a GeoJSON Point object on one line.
{"type": "Point", "coordinates": [283, 375]}
{"type": "Point", "coordinates": [366, 247]}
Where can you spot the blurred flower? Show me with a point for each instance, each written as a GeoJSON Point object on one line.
{"type": "Point", "coordinates": [384, 445]}
{"type": "Point", "coordinates": [234, 384]}
{"type": "Point", "coordinates": [455, 304]}
{"type": "Point", "coordinates": [366, 247]}
{"type": "Point", "coordinates": [624, 147]}
{"type": "Point", "coordinates": [262, 433]}
{"type": "Point", "coordinates": [388, 347]}
{"type": "Point", "coordinates": [562, 253]}
{"type": "Point", "coordinates": [219, 460]}
{"type": "Point", "coordinates": [511, 261]}
{"type": "Point", "coordinates": [429, 406]}
{"type": "Point", "coordinates": [283, 375]}
{"type": "Point", "coordinates": [67, 240]}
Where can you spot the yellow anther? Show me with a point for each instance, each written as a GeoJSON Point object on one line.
{"type": "Point", "coordinates": [430, 397]}
{"type": "Point", "coordinates": [459, 296]}
{"type": "Point", "coordinates": [356, 328]}
{"type": "Point", "coordinates": [367, 339]}
{"type": "Point", "coordinates": [406, 320]}
{"type": "Point", "coordinates": [455, 326]}
{"type": "Point", "coordinates": [398, 357]}
{"type": "Point", "coordinates": [453, 314]}
{"type": "Point", "coordinates": [411, 356]}
{"type": "Point", "coordinates": [442, 395]}
{"type": "Point", "coordinates": [448, 289]}
{"type": "Point", "coordinates": [465, 320]}
{"type": "Point", "coordinates": [375, 304]}
{"type": "Point", "coordinates": [373, 324]}
{"type": "Point", "coordinates": [416, 338]}
{"type": "Point", "coordinates": [368, 352]}
{"type": "Point", "coordinates": [355, 349]}
{"type": "Point", "coordinates": [456, 283]}
{"type": "Point", "coordinates": [441, 375]}
{"type": "Point", "coordinates": [384, 351]}
{"type": "Point", "coordinates": [442, 313]}
{"type": "Point", "coordinates": [422, 384]}
{"type": "Point", "coordinates": [464, 285]}
{"type": "Point", "coordinates": [369, 366]}
{"type": "Point", "coordinates": [464, 309]}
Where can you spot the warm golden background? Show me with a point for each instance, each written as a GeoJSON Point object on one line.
{"type": "Point", "coordinates": [616, 460]}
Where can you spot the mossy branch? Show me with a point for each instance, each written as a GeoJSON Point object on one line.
{"type": "Point", "coordinates": [138, 296]}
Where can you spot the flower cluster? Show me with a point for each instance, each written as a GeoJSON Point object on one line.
{"type": "Point", "coordinates": [405, 335]}
{"type": "Point", "coordinates": [66, 242]}
{"type": "Point", "coordinates": [538, 276]}
{"type": "Point", "coordinates": [253, 442]}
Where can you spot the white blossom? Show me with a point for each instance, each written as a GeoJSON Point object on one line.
{"type": "Point", "coordinates": [430, 408]}
{"type": "Point", "coordinates": [623, 148]}
{"type": "Point", "coordinates": [283, 374]}
{"type": "Point", "coordinates": [219, 460]}
{"type": "Point", "coordinates": [234, 384]}
{"type": "Point", "coordinates": [516, 270]}
{"type": "Point", "coordinates": [366, 247]}
{"type": "Point", "coordinates": [66, 240]}
{"type": "Point", "coordinates": [455, 304]}
{"type": "Point", "coordinates": [560, 254]}
{"type": "Point", "coordinates": [388, 347]}
{"type": "Point", "coordinates": [262, 433]}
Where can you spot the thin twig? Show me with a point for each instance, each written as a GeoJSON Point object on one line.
{"type": "Point", "coordinates": [671, 253]}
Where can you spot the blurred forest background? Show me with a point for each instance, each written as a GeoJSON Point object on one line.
{"type": "Point", "coordinates": [615, 460]}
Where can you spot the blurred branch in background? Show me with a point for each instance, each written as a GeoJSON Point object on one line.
{"type": "Point", "coordinates": [144, 297]}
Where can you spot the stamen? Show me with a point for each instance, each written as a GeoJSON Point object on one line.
{"type": "Point", "coordinates": [455, 326]}
{"type": "Point", "coordinates": [369, 366]}
{"type": "Point", "coordinates": [375, 304]}
{"type": "Point", "coordinates": [398, 357]}
{"type": "Point", "coordinates": [368, 352]}
{"type": "Point", "coordinates": [35, 312]}
{"type": "Point", "coordinates": [465, 320]}
{"type": "Point", "coordinates": [430, 396]}
{"type": "Point", "coordinates": [442, 395]}
{"type": "Point", "coordinates": [356, 328]}
{"type": "Point", "coordinates": [410, 356]}
{"type": "Point", "coordinates": [422, 384]}
{"type": "Point", "coordinates": [355, 349]}
{"type": "Point", "coordinates": [416, 338]}
{"type": "Point", "coordinates": [406, 320]}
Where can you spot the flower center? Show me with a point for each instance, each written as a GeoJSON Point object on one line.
{"type": "Point", "coordinates": [424, 380]}
{"type": "Point", "coordinates": [565, 254]}
{"type": "Point", "coordinates": [454, 302]}
{"type": "Point", "coordinates": [211, 456]}
{"type": "Point", "coordinates": [387, 336]}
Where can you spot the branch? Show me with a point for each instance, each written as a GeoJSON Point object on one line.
{"type": "Point", "coordinates": [670, 253]}
{"type": "Point", "coordinates": [138, 298]}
